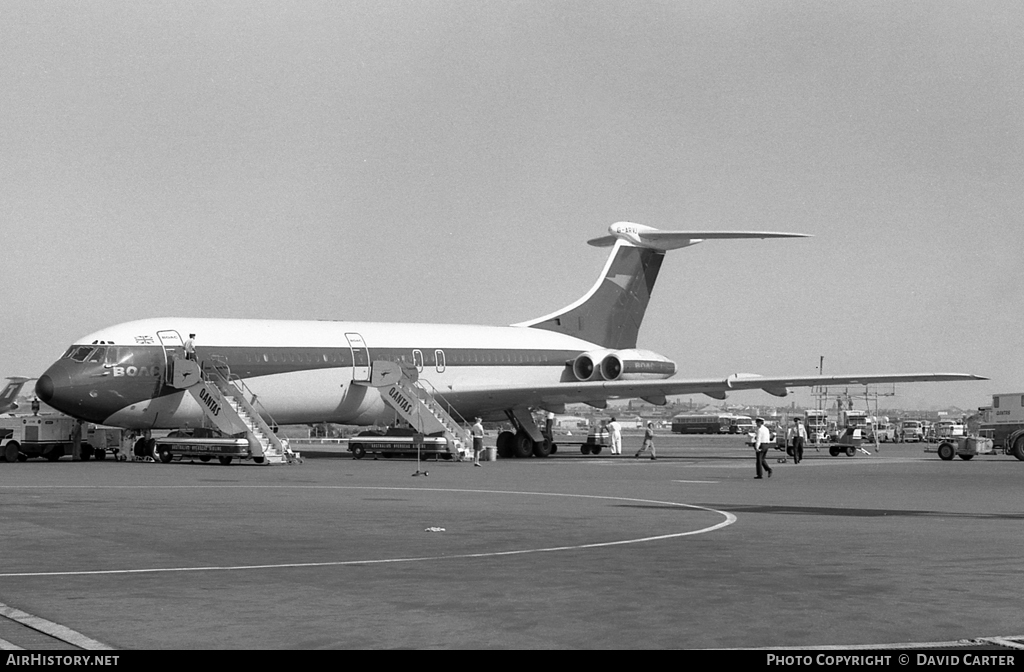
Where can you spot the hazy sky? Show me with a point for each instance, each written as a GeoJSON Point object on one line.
{"type": "Point", "coordinates": [446, 162]}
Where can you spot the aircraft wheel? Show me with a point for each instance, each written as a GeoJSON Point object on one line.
{"type": "Point", "coordinates": [225, 459]}
{"type": "Point", "coordinates": [504, 444]}
{"type": "Point", "coordinates": [946, 452]}
{"type": "Point", "coordinates": [966, 458]}
{"type": "Point", "coordinates": [1018, 448]}
{"type": "Point", "coordinates": [523, 445]}
{"type": "Point", "coordinates": [542, 448]}
{"type": "Point", "coordinates": [11, 451]}
{"type": "Point", "coordinates": [358, 451]}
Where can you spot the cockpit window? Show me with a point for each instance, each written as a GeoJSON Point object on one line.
{"type": "Point", "coordinates": [81, 353]}
{"type": "Point", "coordinates": [98, 355]}
{"type": "Point", "coordinates": [117, 356]}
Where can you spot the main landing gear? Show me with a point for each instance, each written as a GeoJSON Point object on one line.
{"type": "Point", "coordinates": [521, 442]}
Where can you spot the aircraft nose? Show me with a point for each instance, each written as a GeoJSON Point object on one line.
{"type": "Point", "coordinates": [44, 388]}
{"type": "Point", "coordinates": [54, 384]}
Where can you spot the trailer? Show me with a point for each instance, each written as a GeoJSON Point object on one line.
{"type": "Point", "coordinates": [52, 436]}
{"type": "Point", "coordinates": [848, 444]}
{"type": "Point", "coordinates": [964, 447]}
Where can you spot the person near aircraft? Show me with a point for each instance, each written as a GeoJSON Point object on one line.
{"type": "Point", "coordinates": [648, 442]}
{"type": "Point", "coordinates": [762, 437]}
{"type": "Point", "coordinates": [616, 436]}
{"type": "Point", "coordinates": [796, 436]}
{"type": "Point", "coordinates": [478, 440]}
{"type": "Point", "coordinates": [190, 348]}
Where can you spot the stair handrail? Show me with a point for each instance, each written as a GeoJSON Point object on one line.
{"type": "Point", "coordinates": [219, 363]}
{"type": "Point", "coordinates": [447, 407]}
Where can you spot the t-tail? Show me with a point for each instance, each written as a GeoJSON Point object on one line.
{"type": "Point", "coordinates": [10, 393]}
{"type": "Point", "coordinates": [611, 313]}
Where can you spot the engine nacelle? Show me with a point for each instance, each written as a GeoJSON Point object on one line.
{"type": "Point", "coordinates": [636, 365]}
{"type": "Point", "coordinates": [588, 365]}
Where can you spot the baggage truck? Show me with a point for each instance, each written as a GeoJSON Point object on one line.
{"type": "Point", "coordinates": [1003, 422]}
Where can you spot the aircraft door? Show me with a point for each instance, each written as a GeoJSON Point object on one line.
{"type": "Point", "coordinates": [360, 358]}
{"type": "Point", "coordinates": [174, 348]}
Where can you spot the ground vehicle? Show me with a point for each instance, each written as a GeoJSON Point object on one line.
{"type": "Point", "coordinates": [816, 424]}
{"type": "Point", "coordinates": [881, 429]}
{"type": "Point", "coordinates": [741, 424]}
{"type": "Point", "coordinates": [597, 438]}
{"type": "Point", "coordinates": [51, 436]}
{"type": "Point", "coordinates": [1003, 422]}
{"type": "Point", "coordinates": [200, 442]}
{"type": "Point", "coordinates": [944, 429]}
{"type": "Point", "coordinates": [964, 446]}
{"type": "Point", "coordinates": [853, 418]}
{"type": "Point", "coordinates": [912, 430]}
{"type": "Point", "coordinates": [702, 424]}
{"type": "Point", "coordinates": [396, 441]}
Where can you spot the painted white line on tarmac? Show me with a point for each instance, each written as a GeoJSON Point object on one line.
{"type": "Point", "coordinates": [55, 630]}
{"type": "Point", "coordinates": [729, 520]}
{"type": "Point", "coordinates": [1008, 642]}
{"type": "Point", "coordinates": [695, 481]}
{"type": "Point", "coordinates": [8, 646]}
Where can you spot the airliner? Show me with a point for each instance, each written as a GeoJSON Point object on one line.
{"type": "Point", "coordinates": [308, 372]}
{"type": "Point", "coordinates": [9, 395]}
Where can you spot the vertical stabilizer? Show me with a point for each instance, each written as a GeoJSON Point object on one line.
{"type": "Point", "coordinates": [10, 393]}
{"type": "Point", "coordinates": [610, 314]}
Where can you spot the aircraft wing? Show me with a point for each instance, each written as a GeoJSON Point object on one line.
{"type": "Point", "coordinates": [498, 398]}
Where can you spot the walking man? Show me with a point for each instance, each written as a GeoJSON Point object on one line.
{"type": "Point", "coordinates": [478, 440]}
{"type": "Point", "coordinates": [648, 441]}
{"type": "Point", "coordinates": [616, 436]}
{"type": "Point", "coordinates": [796, 436]}
{"type": "Point", "coordinates": [762, 438]}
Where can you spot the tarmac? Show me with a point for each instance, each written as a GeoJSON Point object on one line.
{"type": "Point", "coordinates": [569, 552]}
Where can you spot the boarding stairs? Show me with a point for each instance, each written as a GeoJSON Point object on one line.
{"type": "Point", "coordinates": [416, 401]}
{"type": "Point", "coordinates": [223, 399]}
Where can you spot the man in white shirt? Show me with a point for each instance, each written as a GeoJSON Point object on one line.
{"type": "Point", "coordinates": [762, 441]}
{"type": "Point", "coordinates": [796, 437]}
{"type": "Point", "coordinates": [616, 436]}
{"type": "Point", "coordinates": [478, 440]}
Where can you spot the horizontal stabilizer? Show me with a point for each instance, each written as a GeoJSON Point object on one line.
{"type": "Point", "coordinates": [647, 236]}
